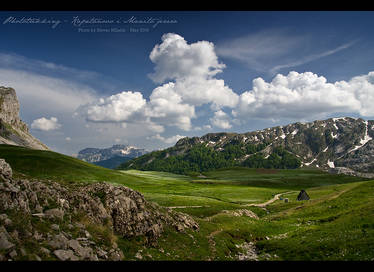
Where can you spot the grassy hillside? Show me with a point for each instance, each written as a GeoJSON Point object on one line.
{"type": "Point", "coordinates": [52, 165]}
{"type": "Point", "coordinates": [336, 224]}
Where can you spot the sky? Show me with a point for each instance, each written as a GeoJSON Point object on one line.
{"type": "Point", "coordinates": [94, 79]}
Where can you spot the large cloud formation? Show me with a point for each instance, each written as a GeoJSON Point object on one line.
{"type": "Point", "coordinates": [300, 95]}
{"type": "Point", "coordinates": [175, 59]}
{"type": "Point", "coordinates": [191, 67]}
{"type": "Point", "coordinates": [187, 77]}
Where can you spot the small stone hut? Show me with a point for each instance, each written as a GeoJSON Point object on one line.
{"type": "Point", "coordinates": [303, 195]}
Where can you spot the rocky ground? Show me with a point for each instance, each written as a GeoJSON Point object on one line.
{"type": "Point", "coordinates": [46, 220]}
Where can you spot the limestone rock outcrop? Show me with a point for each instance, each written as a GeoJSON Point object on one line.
{"type": "Point", "coordinates": [67, 220]}
{"type": "Point", "coordinates": [13, 130]}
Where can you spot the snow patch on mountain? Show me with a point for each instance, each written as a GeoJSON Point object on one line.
{"type": "Point", "coordinates": [330, 164]}
{"type": "Point", "coordinates": [364, 140]}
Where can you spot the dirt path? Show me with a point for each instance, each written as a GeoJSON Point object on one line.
{"type": "Point", "coordinates": [214, 233]}
{"type": "Point", "coordinates": [264, 204]}
{"type": "Point", "coordinates": [212, 243]}
{"type": "Point", "coordinates": [261, 205]}
{"type": "Point", "coordinates": [183, 207]}
{"type": "Point", "coordinates": [344, 191]}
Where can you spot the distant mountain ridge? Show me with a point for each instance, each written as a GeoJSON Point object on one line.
{"type": "Point", "coordinates": [13, 130]}
{"type": "Point", "coordinates": [112, 156]}
{"type": "Point", "coordinates": [334, 144]}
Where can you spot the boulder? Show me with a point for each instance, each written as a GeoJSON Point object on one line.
{"type": "Point", "coordinates": [55, 213]}
{"type": "Point", "coordinates": [5, 170]}
{"type": "Point", "coordinates": [75, 245]}
{"type": "Point", "coordinates": [45, 251]}
{"type": "Point", "coordinates": [55, 227]}
{"type": "Point", "coordinates": [58, 242]}
{"type": "Point", "coordinates": [4, 242]}
{"type": "Point", "coordinates": [13, 254]}
{"type": "Point", "coordinates": [65, 255]}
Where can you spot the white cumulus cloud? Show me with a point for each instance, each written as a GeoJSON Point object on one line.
{"type": "Point", "coordinates": [192, 67]}
{"type": "Point", "coordinates": [115, 108]}
{"type": "Point", "coordinates": [199, 91]}
{"type": "Point", "coordinates": [306, 94]}
{"type": "Point", "coordinates": [46, 124]}
{"type": "Point", "coordinates": [175, 59]}
{"type": "Point", "coordinates": [221, 120]}
{"type": "Point", "coordinates": [170, 140]}
{"type": "Point", "coordinates": [166, 107]}
{"type": "Point", "coordinates": [187, 73]}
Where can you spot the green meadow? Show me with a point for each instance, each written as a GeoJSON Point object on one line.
{"type": "Point", "coordinates": [337, 223]}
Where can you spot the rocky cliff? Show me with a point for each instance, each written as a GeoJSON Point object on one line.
{"type": "Point", "coordinates": [12, 129]}
{"type": "Point", "coordinates": [45, 220]}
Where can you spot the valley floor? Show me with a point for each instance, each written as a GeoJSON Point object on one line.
{"type": "Point", "coordinates": [240, 212]}
{"type": "Point", "coordinates": [252, 223]}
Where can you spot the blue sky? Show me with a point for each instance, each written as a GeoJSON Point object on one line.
{"type": "Point", "coordinates": [193, 73]}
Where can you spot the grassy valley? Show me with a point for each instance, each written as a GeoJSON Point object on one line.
{"type": "Point", "coordinates": [335, 224]}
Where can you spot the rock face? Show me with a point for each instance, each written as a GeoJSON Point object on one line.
{"type": "Point", "coordinates": [5, 170]}
{"type": "Point", "coordinates": [70, 220]}
{"type": "Point", "coordinates": [9, 108]}
{"type": "Point", "coordinates": [13, 131]}
{"type": "Point", "coordinates": [325, 144]}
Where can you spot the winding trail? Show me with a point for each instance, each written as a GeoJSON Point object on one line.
{"type": "Point", "coordinates": [261, 205]}
{"type": "Point", "coordinates": [264, 204]}
{"type": "Point", "coordinates": [212, 243]}
{"type": "Point", "coordinates": [183, 207]}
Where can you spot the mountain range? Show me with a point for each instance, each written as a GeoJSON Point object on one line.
{"type": "Point", "coordinates": [338, 145]}
{"type": "Point", "coordinates": [110, 157]}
